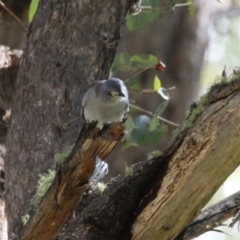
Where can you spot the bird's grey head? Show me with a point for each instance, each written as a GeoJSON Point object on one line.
{"type": "Point", "coordinates": [113, 90]}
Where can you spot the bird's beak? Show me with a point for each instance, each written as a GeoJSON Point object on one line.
{"type": "Point", "coordinates": [121, 94]}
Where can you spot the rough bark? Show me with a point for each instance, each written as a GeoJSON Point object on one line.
{"type": "Point", "coordinates": [213, 217]}
{"type": "Point", "coordinates": [166, 193]}
{"type": "Point", "coordinates": [206, 157]}
{"type": "Point", "coordinates": [66, 50]}
{"type": "Point", "coordinates": [71, 180]}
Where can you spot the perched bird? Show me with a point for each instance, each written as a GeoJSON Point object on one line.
{"type": "Point", "coordinates": [106, 101]}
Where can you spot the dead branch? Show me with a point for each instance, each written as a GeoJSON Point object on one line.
{"type": "Point", "coordinates": [71, 179]}
{"type": "Point", "coordinates": [212, 217]}
{"type": "Point", "coordinates": [166, 193]}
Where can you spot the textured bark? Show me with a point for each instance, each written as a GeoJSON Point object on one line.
{"type": "Point", "coordinates": [206, 157]}
{"type": "Point", "coordinates": [212, 217]}
{"type": "Point", "coordinates": [166, 193]}
{"type": "Point", "coordinates": [66, 50]}
{"type": "Point", "coordinates": [71, 180]}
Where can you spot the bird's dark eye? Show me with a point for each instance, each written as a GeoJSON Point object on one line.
{"type": "Point", "coordinates": [109, 93]}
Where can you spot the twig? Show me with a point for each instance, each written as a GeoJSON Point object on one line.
{"type": "Point", "coordinates": [13, 15]}
{"type": "Point", "coordinates": [152, 115]}
{"type": "Point", "coordinates": [138, 73]}
{"type": "Point", "coordinates": [171, 88]}
{"type": "Point", "coordinates": [148, 9]}
{"type": "Point", "coordinates": [212, 217]}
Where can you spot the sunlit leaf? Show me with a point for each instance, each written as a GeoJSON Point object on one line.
{"type": "Point", "coordinates": [156, 84]}
{"type": "Point", "coordinates": [127, 62]}
{"type": "Point", "coordinates": [161, 108]}
{"type": "Point", "coordinates": [32, 9]}
{"type": "Point", "coordinates": [164, 93]}
{"type": "Point", "coordinates": [153, 124]}
{"type": "Point", "coordinates": [144, 58]}
{"type": "Point", "coordinates": [129, 124]}
{"type": "Point", "coordinates": [127, 140]}
{"type": "Point", "coordinates": [132, 84]}
{"type": "Point", "coordinates": [191, 7]}
{"type": "Point", "coordinates": [143, 61]}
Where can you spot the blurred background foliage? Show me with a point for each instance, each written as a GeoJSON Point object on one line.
{"type": "Point", "coordinates": [169, 54]}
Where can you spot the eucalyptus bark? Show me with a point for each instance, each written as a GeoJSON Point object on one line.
{"type": "Point", "coordinates": [66, 49]}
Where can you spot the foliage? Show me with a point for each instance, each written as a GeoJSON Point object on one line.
{"type": "Point", "coordinates": [101, 187]}
{"type": "Point", "coordinates": [44, 182]}
{"type": "Point", "coordinates": [61, 156]}
{"type": "Point", "coordinates": [33, 9]}
{"type": "Point", "coordinates": [147, 11]}
{"type": "Point", "coordinates": [25, 219]}
{"type": "Point", "coordinates": [143, 130]}
{"type": "Point", "coordinates": [128, 170]}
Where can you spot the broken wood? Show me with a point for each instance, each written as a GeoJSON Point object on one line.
{"type": "Point", "coordinates": [71, 180]}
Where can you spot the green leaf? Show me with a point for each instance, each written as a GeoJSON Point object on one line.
{"type": "Point", "coordinates": [156, 84]}
{"type": "Point", "coordinates": [153, 124]}
{"type": "Point", "coordinates": [121, 62]}
{"type": "Point", "coordinates": [142, 121]}
{"type": "Point", "coordinates": [164, 93]}
{"type": "Point", "coordinates": [132, 84]}
{"type": "Point", "coordinates": [129, 124]}
{"type": "Point", "coordinates": [127, 139]}
{"type": "Point", "coordinates": [141, 20]}
{"type": "Point", "coordinates": [191, 7]}
{"type": "Point", "coordinates": [144, 137]}
{"type": "Point", "coordinates": [128, 63]}
{"type": "Point", "coordinates": [161, 108]}
{"type": "Point", "coordinates": [142, 61]}
{"type": "Point", "coordinates": [32, 9]}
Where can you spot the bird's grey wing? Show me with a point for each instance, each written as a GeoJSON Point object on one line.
{"type": "Point", "coordinates": [95, 86]}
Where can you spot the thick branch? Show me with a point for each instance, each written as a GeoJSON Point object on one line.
{"type": "Point", "coordinates": [70, 181]}
{"type": "Point", "coordinates": [186, 176]}
{"type": "Point", "coordinates": [213, 217]}
{"type": "Point", "coordinates": [206, 157]}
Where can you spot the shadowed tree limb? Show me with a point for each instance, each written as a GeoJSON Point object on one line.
{"type": "Point", "coordinates": [71, 179]}
{"type": "Point", "coordinates": [212, 217]}
{"type": "Point", "coordinates": [166, 193]}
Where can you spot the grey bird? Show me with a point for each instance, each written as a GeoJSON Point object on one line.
{"type": "Point", "coordinates": [106, 102]}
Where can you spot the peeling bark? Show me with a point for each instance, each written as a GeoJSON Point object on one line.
{"type": "Point", "coordinates": [71, 180]}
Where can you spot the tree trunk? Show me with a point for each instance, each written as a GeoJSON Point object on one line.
{"type": "Point", "coordinates": [67, 48]}
{"type": "Point", "coordinates": [12, 32]}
